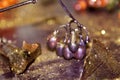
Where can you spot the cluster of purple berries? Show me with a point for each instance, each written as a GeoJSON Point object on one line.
{"type": "Point", "coordinates": [74, 42]}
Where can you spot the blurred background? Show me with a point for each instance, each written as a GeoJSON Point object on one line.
{"type": "Point", "coordinates": [98, 19]}
{"type": "Point", "coordinates": [34, 22]}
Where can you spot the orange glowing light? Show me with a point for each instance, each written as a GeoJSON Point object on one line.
{"type": "Point", "coordinates": [6, 3]}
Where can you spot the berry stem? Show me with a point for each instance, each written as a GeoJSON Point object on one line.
{"type": "Point", "coordinates": [66, 9]}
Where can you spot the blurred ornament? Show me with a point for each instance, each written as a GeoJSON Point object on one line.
{"type": "Point", "coordinates": [81, 5]}
{"type": "Point", "coordinates": [119, 14]}
{"type": "Point", "coordinates": [97, 3]}
{"type": "Point", "coordinates": [6, 3]}
{"type": "Point", "coordinates": [105, 4]}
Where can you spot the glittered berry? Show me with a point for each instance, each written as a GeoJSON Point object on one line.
{"type": "Point", "coordinates": [52, 42]}
{"type": "Point", "coordinates": [67, 53]}
{"type": "Point", "coordinates": [80, 53]}
{"type": "Point", "coordinates": [59, 49]}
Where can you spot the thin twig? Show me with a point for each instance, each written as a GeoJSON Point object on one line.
{"type": "Point", "coordinates": [66, 9]}
{"type": "Point", "coordinates": [18, 5]}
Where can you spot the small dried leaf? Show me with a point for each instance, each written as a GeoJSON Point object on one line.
{"type": "Point", "coordinates": [30, 47]}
